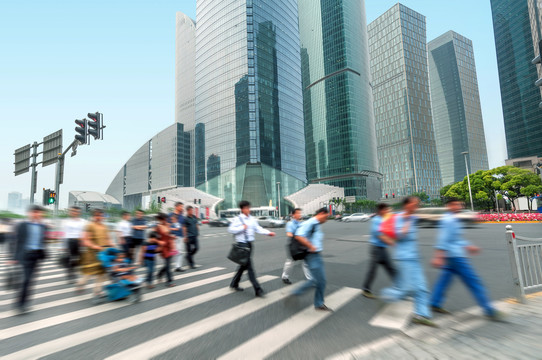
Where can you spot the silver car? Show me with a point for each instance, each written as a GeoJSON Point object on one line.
{"type": "Point", "coordinates": [270, 222]}
{"type": "Point", "coordinates": [360, 217]}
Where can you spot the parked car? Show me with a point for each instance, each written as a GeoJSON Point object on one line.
{"type": "Point", "coordinates": [221, 222]}
{"type": "Point", "coordinates": [342, 216]}
{"type": "Point", "coordinates": [360, 217]}
{"type": "Point", "coordinates": [431, 216]}
{"type": "Point", "coordinates": [270, 221]}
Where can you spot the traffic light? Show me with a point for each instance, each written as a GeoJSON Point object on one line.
{"type": "Point", "coordinates": [164, 200]}
{"type": "Point", "coordinates": [393, 195]}
{"type": "Point", "coordinates": [199, 201]}
{"type": "Point", "coordinates": [81, 130]}
{"type": "Point", "coordinates": [45, 200]}
{"type": "Point", "coordinates": [386, 196]}
{"type": "Point", "coordinates": [52, 198]}
{"type": "Point", "coordinates": [95, 125]}
{"type": "Point", "coordinates": [87, 207]}
{"type": "Point", "coordinates": [195, 201]}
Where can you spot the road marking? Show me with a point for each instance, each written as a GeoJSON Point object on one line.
{"type": "Point", "coordinates": [393, 316]}
{"type": "Point", "coordinates": [95, 310]}
{"type": "Point", "coordinates": [146, 296]}
{"type": "Point", "coordinates": [66, 342]}
{"type": "Point", "coordinates": [161, 344]}
{"type": "Point", "coordinates": [290, 329]}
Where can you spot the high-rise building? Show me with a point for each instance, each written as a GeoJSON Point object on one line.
{"type": "Point", "coordinates": [457, 116]}
{"type": "Point", "coordinates": [516, 24]}
{"type": "Point", "coordinates": [185, 71]}
{"type": "Point", "coordinates": [15, 200]}
{"type": "Point", "coordinates": [249, 100]}
{"type": "Point", "coordinates": [406, 147]}
{"type": "Point", "coordinates": [338, 109]}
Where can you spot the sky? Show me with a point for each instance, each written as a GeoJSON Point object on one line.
{"type": "Point", "coordinates": [63, 59]}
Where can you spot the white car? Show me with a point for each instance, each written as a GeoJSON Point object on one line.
{"type": "Point", "coordinates": [360, 217]}
{"type": "Point", "coordinates": [272, 222]}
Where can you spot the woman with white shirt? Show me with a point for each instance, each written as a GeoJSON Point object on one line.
{"type": "Point", "coordinates": [243, 227]}
{"type": "Point", "coordinates": [73, 232]}
{"type": "Point", "coordinates": [124, 234]}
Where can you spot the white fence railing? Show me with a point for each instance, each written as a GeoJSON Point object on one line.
{"type": "Point", "coordinates": [526, 261]}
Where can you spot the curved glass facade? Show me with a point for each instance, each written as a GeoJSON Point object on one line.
{"type": "Point", "coordinates": [339, 119]}
{"type": "Point", "coordinates": [248, 87]}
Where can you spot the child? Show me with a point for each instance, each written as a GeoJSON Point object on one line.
{"type": "Point", "coordinates": [121, 268]}
{"type": "Point", "coordinates": [148, 255]}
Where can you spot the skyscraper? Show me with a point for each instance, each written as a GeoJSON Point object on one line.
{"type": "Point", "coordinates": [185, 70]}
{"type": "Point", "coordinates": [457, 116]}
{"type": "Point", "coordinates": [515, 39]}
{"type": "Point", "coordinates": [406, 147]}
{"type": "Point", "coordinates": [338, 109]}
{"type": "Point", "coordinates": [249, 99]}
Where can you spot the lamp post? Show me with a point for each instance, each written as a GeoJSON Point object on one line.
{"type": "Point", "coordinates": [465, 153]}
{"type": "Point", "coordinates": [278, 188]}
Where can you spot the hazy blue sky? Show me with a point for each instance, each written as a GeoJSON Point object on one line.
{"type": "Point", "coordinates": [63, 59]}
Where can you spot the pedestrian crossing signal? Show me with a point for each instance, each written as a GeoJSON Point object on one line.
{"type": "Point", "coordinates": [52, 197]}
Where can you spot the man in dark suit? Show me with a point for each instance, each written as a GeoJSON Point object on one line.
{"type": "Point", "coordinates": [29, 250]}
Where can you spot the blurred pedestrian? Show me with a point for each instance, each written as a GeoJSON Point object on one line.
{"type": "Point", "coordinates": [168, 248]}
{"type": "Point", "coordinates": [95, 239]}
{"type": "Point", "coordinates": [29, 251]}
{"type": "Point", "coordinates": [73, 232]}
{"type": "Point", "coordinates": [124, 235]}
{"type": "Point", "coordinates": [176, 219]}
{"type": "Point", "coordinates": [149, 249]}
{"type": "Point", "coordinates": [139, 226]}
{"type": "Point", "coordinates": [378, 251]}
{"type": "Point", "coordinates": [410, 279]}
{"type": "Point", "coordinates": [310, 235]}
{"type": "Point", "coordinates": [451, 256]}
{"type": "Point", "coordinates": [191, 233]}
{"type": "Point", "coordinates": [243, 227]}
{"type": "Point", "coordinates": [291, 228]}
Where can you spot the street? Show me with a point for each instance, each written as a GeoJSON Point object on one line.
{"type": "Point", "coordinates": [201, 318]}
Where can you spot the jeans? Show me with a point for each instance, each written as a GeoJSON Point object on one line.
{"type": "Point", "coordinates": [167, 270]}
{"type": "Point", "coordinates": [289, 265]}
{"type": "Point", "coordinates": [410, 280]}
{"type": "Point", "coordinates": [29, 263]}
{"type": "Point", "coordinates": [461, 267]}
{"type": "Point", "coordinates": [192, 248]}
{"type": "Point", "coordinates": [149, 264]}
{"type": "Point", "coordinates": [316, 267]}
{"type": "Point", "coordinates": [379, 256]}
{"type": "Point", "coordinates": [248, 267]}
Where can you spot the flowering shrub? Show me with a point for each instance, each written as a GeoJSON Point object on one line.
{"type": "Point", "coordinates": [510, 217]}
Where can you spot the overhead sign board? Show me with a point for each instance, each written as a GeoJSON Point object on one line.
{"type": "Point", "coordinates": [350, 199]}
{"type": "Point", "coordinates": [22, 160]}
{"type": "Point", "coordinates": [52, 147]}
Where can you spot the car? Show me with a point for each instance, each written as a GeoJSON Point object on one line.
{"type": "Point", "coordinates": [341, 217]}
{"type": "Point", "coordinates": [221, 222]}
{"type": "Point", "coordinates": [270, 221]}
{"type": "Point", "coordinates": [432, 215]}
{"type": "Point", "coordinates": [359, 217]}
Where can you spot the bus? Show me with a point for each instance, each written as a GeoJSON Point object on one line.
{"type": "Point", "coordinates": [255, 211]}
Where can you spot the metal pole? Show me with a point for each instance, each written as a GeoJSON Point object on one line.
{"type": "Point", "coordinates": [278, 186]}
{"type": "Point", "coordinates": [57, 182]}
{"type": "Point", "coordinates": [468, 180]}
{"type": "Point", "coordinates": [515, 264]}
{"type": "Point", "coordinates": [34, 172]}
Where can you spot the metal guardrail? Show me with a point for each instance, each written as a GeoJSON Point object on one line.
{"type": "Point", "coordinates": [526, 261]}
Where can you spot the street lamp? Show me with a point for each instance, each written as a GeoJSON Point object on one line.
{"type": "Point", "coordinates": [278, 189]}
{"type": "Point", "coordinates": [465, 153]}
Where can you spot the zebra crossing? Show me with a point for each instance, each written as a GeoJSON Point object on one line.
{"type": "Point", "coordinates": [200, 316]}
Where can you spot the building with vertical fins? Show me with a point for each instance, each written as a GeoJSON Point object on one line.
{"type": "Point", "coordinates": [337, 97]}
{"type": "Point", "coordinates": [406, 146]}
{"type": "Point", "coordinates": [516, 24]}
{"type": "Point", "coordinates": [457, 115]}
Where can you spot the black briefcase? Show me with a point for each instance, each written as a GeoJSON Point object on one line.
{"type": "Point", "coordinates": [297, 250]}
{"type": "Point", "coordinates": [239, 254]}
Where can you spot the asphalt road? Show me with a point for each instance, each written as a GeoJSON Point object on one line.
{"type": "Point", "coordinates": [201, 319]}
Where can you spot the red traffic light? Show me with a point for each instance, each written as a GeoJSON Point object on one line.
{"type": "Point", "coordinates": [163, 200]}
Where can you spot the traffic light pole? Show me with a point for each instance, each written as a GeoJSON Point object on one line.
{"type": "Point", "coordinates": [59, 169]}
{"type": "Point", "coordinates": [34, 175]}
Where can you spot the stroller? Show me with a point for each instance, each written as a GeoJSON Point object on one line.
{"type": "Point", "coordinates": [119, 288]}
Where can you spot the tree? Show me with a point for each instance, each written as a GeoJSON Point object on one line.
{"type": "Point", "coordinates": [530, 191]}
{"type": "Point", "coordinates": [421, 195]}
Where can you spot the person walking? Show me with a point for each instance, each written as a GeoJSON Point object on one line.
{"type": "Point", "coordinates": [149, 249]}
{"type": "Point", "coordinates": [379, 252]}
{"type": "Point", "coordinates": [191, 232]}
{"type": "Point", "coordinates": [95, 239]}
{"type": "Point", "coordinates": [310, 235]}
{"type": "Point", "coordinates": [176, 219]}
{"type": "Point", "coordinates": [291, 228]}
{"type": "Point", "coordinates": [29, 251]}
{"type": "Point", "coordinates": [73, 232]}
{"type": "Point", "coordinates": [124, 235]}
{"type": "Point", "coordinates": [243, 227]}
{"type": "Point", "coordinates": [451, 256]}
{"type": "Point", "coordinates": [168, 248]}
{"type": "Point", "coordinates": [410, 278]}
{"type": "Point", "coordinates": [139, 225]}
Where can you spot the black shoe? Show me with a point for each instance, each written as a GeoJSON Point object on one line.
{"type": "Point", "coordinates": [440, 310]}
{"type": "Point", "coordinates": [236, 288]}
{"type": "Point", "coordinates": [368, 294]}
{"type": "Point", "coordinates": [179, 269]}
{"type": "Point", "coordinates": [323, 308]}
{"type": "Point", "coordinates": [260, 293]}
{"type": "Point", "coordinates": [287, 281]}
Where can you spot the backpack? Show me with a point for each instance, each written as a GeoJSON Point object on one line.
{"type": "Point", "coordinates": [297, 250]}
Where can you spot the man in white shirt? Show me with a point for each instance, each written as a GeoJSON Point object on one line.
{"type": "Point", "coordinates": [73, 231]}
{"type": "Point", "coordinates": [243, 227]}
{"type": "Point", "coordinates": [124, 234]}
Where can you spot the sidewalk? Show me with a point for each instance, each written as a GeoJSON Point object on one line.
{"type": "Point", "coordinates": [464, 335]}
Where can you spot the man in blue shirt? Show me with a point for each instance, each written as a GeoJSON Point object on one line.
{"type": "Point", "coordinates": [310, 235]}
{"type": "Point", "coordinates": [139, 226]}
{"type": "Point", "coordinates": [451, 256]}
{"type": "Point", "coordinates": [379, 253]}
{"type": "Point", "coordinates": [191, 231]}
{"type": "Point", "coordinates": [410, 278]}
{"type": "Point", "coordinates": [291, 228]}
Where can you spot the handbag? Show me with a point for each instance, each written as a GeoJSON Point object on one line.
{"type": "Point", "coordinates": [239, 254]}
{"type": "Point", "coordinates": [299, 251]}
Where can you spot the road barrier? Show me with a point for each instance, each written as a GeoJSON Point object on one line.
{"type": "Point", "coordinates": [526, 261]}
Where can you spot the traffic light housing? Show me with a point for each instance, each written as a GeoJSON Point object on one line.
{"type": "Point", "coordinates": [87, 207]}
{"type": "Point", "coordinates": [81, 129]}
{"type": "Point", "coordinates": [164, 200]}
{"type": "Point", "coordinates": [95, 125]}
{"type": "Point", "coordinates": [199, 201]}
{"type": "Point", "coordinates": [45, 200]}
{"type": "Point", "coordinates": [52, 197]}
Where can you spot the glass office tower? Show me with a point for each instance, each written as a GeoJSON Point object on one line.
{"type": "Point", "coordinates": [338, 109]}
{"type": "Point", "coordinates": [249, 99]}
{"type": "Point", "coordinates": [514, 41]}
{"type": "Point", "coordinates": [455, 100]}
{"type": "Point", "coordinates": [404, 127]}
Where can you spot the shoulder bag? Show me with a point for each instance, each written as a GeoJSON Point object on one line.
{"type": "Point", "coordinates": [239, 253]}
{"type": "Point", "coordinates": [299, 251]}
